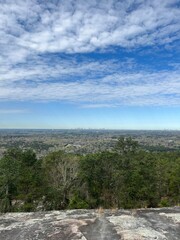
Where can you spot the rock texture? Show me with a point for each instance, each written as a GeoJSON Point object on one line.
{"type": "Point", "coordinates": [92, 225]}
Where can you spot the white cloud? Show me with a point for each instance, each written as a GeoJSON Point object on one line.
{"type": "Point", "coordinates": [31, 32]}
{"type": "Point", "coordinates": [115, 89]}
{"type": "Point", "coordinates": [76, 26]}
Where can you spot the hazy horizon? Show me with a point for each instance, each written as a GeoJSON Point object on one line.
{"type": "Point", "coordinates": [89, 129]}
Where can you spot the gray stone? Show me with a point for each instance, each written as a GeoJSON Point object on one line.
{"type": "Point", "coordinates": [115, 224]}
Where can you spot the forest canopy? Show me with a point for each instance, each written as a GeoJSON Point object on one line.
{"type": "Point", "coordinates": [126, 177]}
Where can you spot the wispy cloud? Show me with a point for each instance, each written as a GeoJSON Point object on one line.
{"type": "Point", "coordinates": [136, 88]}
{"type": "Point", "coordinates": [32, 33]}
{"type": "Point", "coordinates": [12, 111]}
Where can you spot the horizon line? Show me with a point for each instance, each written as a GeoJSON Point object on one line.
{"type": "Point", "coordinates": [102, 129]}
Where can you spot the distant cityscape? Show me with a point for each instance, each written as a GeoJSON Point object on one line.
{"type": "Point", "coordinates": [82, 141]}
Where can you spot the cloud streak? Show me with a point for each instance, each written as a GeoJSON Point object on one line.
{"type": "Point", "coordinates": [12, 111]}
{"type": "Point", "coordinates": [116, 89]}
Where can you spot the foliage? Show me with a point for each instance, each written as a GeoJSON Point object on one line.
{"type": "Point", "coordinates": [60, 170]}
{"type": "Point", "coordinates": [126, 177]}
{"type": "Point", "coordinates": [19, 179]}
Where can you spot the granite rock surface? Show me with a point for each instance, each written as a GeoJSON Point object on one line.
{"type": "Point", "coordinates": [100, 224]}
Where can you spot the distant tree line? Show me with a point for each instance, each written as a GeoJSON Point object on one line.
{"type": "Point", "coordinates": [127, 177]}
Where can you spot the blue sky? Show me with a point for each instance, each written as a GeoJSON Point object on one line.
{"type": "Point", "coordinates": [90, 64]}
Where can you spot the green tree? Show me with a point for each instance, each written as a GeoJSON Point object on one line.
{"type": "Point", "coordinates": [9, 170]}
{"type": "Point", "coordinates": [126, 145]}
{"type": "Point", "coordinates": [99, 173]}
{"type": "Point", "coordinates": [30, 180]}
{"type": "Point", "coordinates": [168, 178]}
{"type": "Point", "coordinates": [20, 179]}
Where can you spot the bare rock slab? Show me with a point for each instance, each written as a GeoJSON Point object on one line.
{"type": "Point", "coordinates": [138, 224]}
